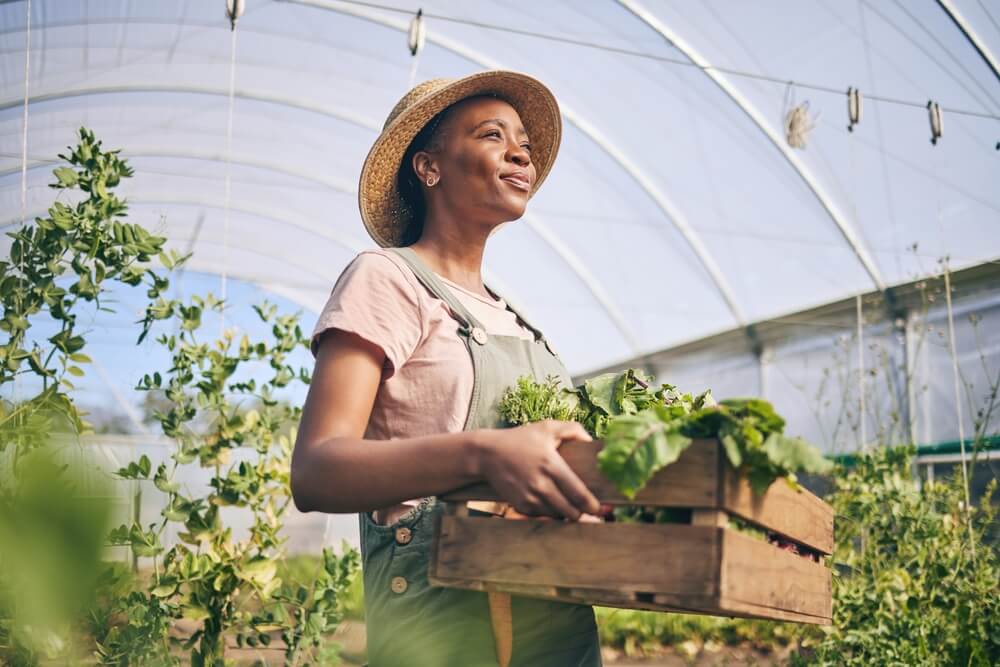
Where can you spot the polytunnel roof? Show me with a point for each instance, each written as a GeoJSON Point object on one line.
{"type": "Point", "coordinates": [676, 208]}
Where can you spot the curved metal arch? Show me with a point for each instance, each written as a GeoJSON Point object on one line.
{"type": "Point", "coordinates": [343, 240]}
{"type": "Point", "coordinates": [282, 100]}
{"type": "Point", "coordinates": [290, 292]}
{"type": "Point", "coordinates": [576, 265]}
{"type": "Point", "coordinates": [838, 217]}
{"type": "Point", "coordinates": [673, 212]}
{"type": "Point", "coordinates": [154, 152]}
{"type": "Point", "coordinates": [977, 43]}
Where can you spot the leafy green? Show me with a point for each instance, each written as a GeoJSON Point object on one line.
{"type": "Point", "coordinates": [638, 445]}
{"type": "Point", "coordinates": [916, 580]}
{"type": "Point", "coordinates": [645, 428]}
{"type": "Point", "coordinates": [535, 401]}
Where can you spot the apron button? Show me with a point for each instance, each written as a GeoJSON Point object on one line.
{"type": "Point", "coordinates": [479, 335]}
{"type": "Point", "coordinates": [398, 585]}
{"type": "Point", "coordinates": [403, 535]}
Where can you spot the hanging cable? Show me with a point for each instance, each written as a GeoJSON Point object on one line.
{"type": "Point", "coordinates": [24, 121]}
{"type": "Point", "coordinates": [958, 401]}
{"type": "Point", "coordinates": [887, 182]}
{"type": "Point", "coordinates": [854, 101]}
{"type": "Point", "coordinates": [24, 169]}
{"type": "Point", "coordinates": [664, 59]}
{"type": "Point", "coordinates": [934, 111]}
{"type": "Point", "coordinates": [237, 4]}
{"type": "Point", "coordinates": [415, 39]}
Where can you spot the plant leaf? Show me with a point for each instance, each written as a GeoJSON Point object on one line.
{"type": "Point", "coordinates": [636, 446]}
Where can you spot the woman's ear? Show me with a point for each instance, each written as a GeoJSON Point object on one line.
{"type": "Point", "coordinates": [425, 167]}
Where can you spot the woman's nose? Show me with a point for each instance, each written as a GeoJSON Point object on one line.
{"type": "Point", "coordinates": [519, 155]}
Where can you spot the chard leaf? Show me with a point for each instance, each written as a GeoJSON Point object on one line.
{"type": "Point", "coordinates": [732, 450]}
{"type": "Point", "coordinates": [600, 391]}
{"type": "Point", "coordinates": [795, 454]}
{"type": "Point", "coordinates": [619, 403]}
{"type": "Point", "coordinates": [636, 446]}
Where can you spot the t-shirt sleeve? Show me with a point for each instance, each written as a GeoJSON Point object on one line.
{"type": "Point", "coordinates": [374, 300]}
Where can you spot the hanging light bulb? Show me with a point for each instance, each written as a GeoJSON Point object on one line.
{"type": "Point", "coordinates": [234, 10]}
{"type": "Point", "coordinates": [417, 34]}
{"type": "Point", "coordinates": [854, 100]}
{"type": "Point", "coordinates": [934, 110]}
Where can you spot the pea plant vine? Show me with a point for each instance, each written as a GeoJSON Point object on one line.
{"type": "Point", "coordinates": [57, 265]}
{"type": "Point", "coordinates": [221, 411]}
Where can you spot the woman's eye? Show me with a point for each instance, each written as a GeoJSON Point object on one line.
{"type": "Point", "coordinates": [492, 133]}
{"type": "Point", "coordinates": [526, 147]}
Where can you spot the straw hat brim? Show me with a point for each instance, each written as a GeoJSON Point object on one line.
{"type": "Point", "coordinates": [385, 213]}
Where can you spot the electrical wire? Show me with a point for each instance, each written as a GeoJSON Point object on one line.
{"type": "Point", "coordinates": [665, 59]}
{"type": "Point", "coordinates": [932, 37]}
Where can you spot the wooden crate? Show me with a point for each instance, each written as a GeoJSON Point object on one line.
{"type": "Point", "coordinates": [703, 567]}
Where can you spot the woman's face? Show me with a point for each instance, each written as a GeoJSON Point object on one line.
{"type": "Point", "coordinates": [481, 159]}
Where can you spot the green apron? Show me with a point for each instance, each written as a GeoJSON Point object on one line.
{"type": "Point", "coordinates": [409, 622]}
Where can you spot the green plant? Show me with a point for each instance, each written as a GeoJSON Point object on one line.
{"type": "Point", "coordinates": [55, 265]}
{"type": "Point", "coordinates": [51, 540]}
{"type": "Point", "coordinates": [646, 428]}
{"type": "Point", "coordinates": [222, 417]}
{"type": "Point", "coordinates": [59, 268]}
{"type": "Point", "coordinates": [643, 633]}
{"type": "Point", "coordinates": [910, 588]}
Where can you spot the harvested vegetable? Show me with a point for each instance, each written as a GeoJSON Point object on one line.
{"type": "Point", "coordinates": [645, 428]}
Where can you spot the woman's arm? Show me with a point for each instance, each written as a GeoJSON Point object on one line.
{"type": "Point", "coordinates": [335, 470]}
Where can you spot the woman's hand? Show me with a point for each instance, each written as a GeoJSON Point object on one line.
{"type": "Point", "coordinates": [525, 468]}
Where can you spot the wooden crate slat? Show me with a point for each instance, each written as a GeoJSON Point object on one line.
{"type": "Point", "coordinates": [798, 515]}
{"type": "Point", "coordinates": [746, 610]}
{"type": "Point", "coordinates": [677, 559]}
{"type": "Point", "coordinates": [705, 567]}
{"type": "Point", "coordinates": [690, 481]}
{"type": "Point", "coordinates": [762, 575]}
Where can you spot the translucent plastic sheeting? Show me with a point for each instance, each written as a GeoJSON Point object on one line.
{"type": "Point", "coordinates": [815, 381]}
{"type": "Point", "coordinates": [670, 214]}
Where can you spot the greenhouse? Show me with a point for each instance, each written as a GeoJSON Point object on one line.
{"type": "Point", "coordinates": [758, 209]}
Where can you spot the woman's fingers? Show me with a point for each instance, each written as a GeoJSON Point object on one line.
{"type": "Point", "coordinates": [572, 487]}
{"type": "Point", "coordinates": [569, 431]}
{"type": "Point", "coordinates": [562, 507]}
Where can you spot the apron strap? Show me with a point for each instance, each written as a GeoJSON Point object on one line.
{"type": "Point", "coordinates": [538, 332]}
{"type": "Point", "coordinates": [430, 280]}
{"type": "Point", "coordinates": [467, 320]}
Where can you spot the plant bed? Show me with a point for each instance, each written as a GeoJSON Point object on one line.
{"type": "Point", "coordinates": [704, 566]}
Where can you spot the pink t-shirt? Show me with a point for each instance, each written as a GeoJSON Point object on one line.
{"type": "Point", "coordinates": [427, 376]}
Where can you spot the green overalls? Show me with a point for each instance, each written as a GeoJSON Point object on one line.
{"type": "Point", "coordinates": [410, 623]}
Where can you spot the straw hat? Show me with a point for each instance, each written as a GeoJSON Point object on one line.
{"type": "Point", "coordinates": [385, 213]}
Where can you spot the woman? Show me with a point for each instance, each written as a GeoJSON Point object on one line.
{"type": "Point", "coordinates": [413, 352]}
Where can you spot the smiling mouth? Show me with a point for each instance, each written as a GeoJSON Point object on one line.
{"type": "Point", "coordinates": [518, 183]}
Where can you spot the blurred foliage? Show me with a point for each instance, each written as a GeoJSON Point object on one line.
{"type": "Point", "coordinates": [915, 582]}
{"type": "Point", "coordinates": [52, 521]}
{"type": "Point", "coordinates": [301, 569]}
{"type": "Point", "coordinates": [52, 525]}
{"type": "Point", "coordinates": [641, 633]}
{"type": "Point", "coordinates": [223, 417]}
